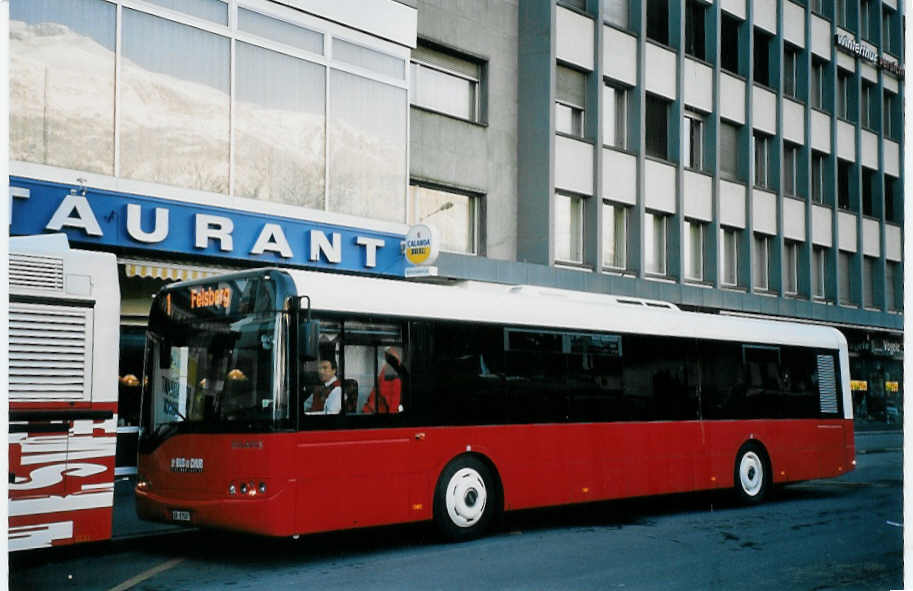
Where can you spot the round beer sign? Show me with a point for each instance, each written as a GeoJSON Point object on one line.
{"type": "Point", "coordinates": [422, 244]}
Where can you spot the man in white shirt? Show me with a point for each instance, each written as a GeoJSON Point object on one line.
{"type": "Point", "coordinates": [325, 399]}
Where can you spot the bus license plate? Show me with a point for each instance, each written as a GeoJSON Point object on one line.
{"type": "Point", "coordinates": [180, 515]}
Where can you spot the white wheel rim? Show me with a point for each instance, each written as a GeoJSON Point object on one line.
{"type": "Point", "coordinates": [466, 497]}
{"type": "Point", "coordinates": [751, 473]}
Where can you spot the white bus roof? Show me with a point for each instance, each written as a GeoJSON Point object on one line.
{"type": "Point", "coordinates": [545, 307]}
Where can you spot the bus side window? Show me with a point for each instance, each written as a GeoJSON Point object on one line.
{"type": "Point", "coordinates": [374, 368]}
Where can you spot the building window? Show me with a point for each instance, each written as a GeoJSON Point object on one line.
{"type": "Point", "coordinates": [843, 184]}
{"type": "Point", "coordinates": [790, 267]}
{"type": "Point", "coordinates": [890, 286]}
{"type": "Point", "coordinates": [762, 71]}
{"type": "Point", "coordinates": [614, 116]}
{"type": "Point", "coordinates": [729, 256]}
{"type": "Point", "coordinates": [695, 23]}
{"type": "Point", "coordinates": [763, 144]}
{"type": "Point", "coordinates": [816, 96]}
{"type": "Point", "coordinates": [693, 139]}
{"type": "Point", "coordinates": [846, 294]}
{"type": "Point", "coordinates": [658, 21]}
{"type": "Point", "coordinates": [840, 9]}
{"type": "Point", "coordinates": [818, 177]}
{"type": "Point", "coordinates": [868, 186]}
{"type": "Point", "coordinates": [570, 101]}
{"type": "Point", "coordinates": [890, 207]}
{"type": "Point", "coordinates": [790, 169]}
{"type": "Point", "coordinates": [729, 150]}
{"type": "Point", "coordinates": [654, 244]}
{"type": "Point", "coordinates": [817, 6]}
{"type": "Point", "coordinates": [865, 105]}
{"type": "Point", "coordinates": [891, 122]}
{"type": "Point", "coordinates": [843, 88]}
{"type": "Point", "coordinates": [865, 20]}
{"type": "Point", "coordinates": [568, 228]}
{"type": "Point", "coordinates": [616, 12]}
{"type": "Point", "coordinates": [887, 30]}
{"type": "Point", "coordinates": [446, 83]}
{"type": "Point", "coordinates": [761, 262]}
{"type": "Point", "coordinates": [614, 235]}
{"type": "Point", "coordinates": [790, 71]}
{"type": "Point", "coordinates": [455, 214]}
{"type": "Point", "coordinates": [868, 282]}
{"type": "Point", "coordinates": [729, 43]}
{"type": "Point", "coordinates": [657, 127]}
{"type": "Point", "coordinates": [818, 262]}
{"type": "Point", "coordinates": [694, 251]}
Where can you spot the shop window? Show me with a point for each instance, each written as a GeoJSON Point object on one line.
{"type": "Point", "coordinates": [454, 213]}
{"type": "Point", "coordinates": [447, 82]}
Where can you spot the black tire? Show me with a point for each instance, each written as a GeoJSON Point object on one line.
{"type": "Point", "coordinates": [465, 499]}
{"type": "Point", "coordinates": [752, 474]}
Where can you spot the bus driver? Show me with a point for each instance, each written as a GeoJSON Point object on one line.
{"type": "Point", "coordinates": [325, 398]}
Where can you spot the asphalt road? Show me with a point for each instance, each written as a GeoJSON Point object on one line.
{"type": "Point", "coordinates": [843, 533]}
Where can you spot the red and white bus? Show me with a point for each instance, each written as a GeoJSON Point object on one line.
{"type": "Point", "coordinates": [64, 314]}
{"type": "Point", "coordinates": [496, 398]}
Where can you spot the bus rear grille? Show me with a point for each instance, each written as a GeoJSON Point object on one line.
{"type": "Point", "coordinates": [49, 352]}
{"type": "Point", "coordinates": [33, 271]}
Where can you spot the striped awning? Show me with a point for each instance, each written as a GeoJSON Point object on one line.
{"type": "Point", "coordinates": [168, 271]}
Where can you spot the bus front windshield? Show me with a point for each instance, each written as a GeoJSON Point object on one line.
{"type": "Point", "coordinates": [210, 373]}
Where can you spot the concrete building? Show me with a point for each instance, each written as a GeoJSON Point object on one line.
{"type": "Point", "coordinates": [738, 157]}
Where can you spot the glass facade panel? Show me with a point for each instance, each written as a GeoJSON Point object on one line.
{"type": "Point", "coordinates": [174, 104]}
{"type": "Point", "coordinates": [818, 272]}
{"type": "Point", "coordinates": [730, 256]}
{"type": "Point", "coordinates": [614, 235]}
{"type": "Point", "coordinates": [61, 83]}
{"type": "Point", "coordinates": [693, 138]}
{"type": "Point", "coordinates": [614, 110]}
{"type": "Point", "coordinates": [729, 150]}
{"type": "Point", "coordinates": [616, 12]}
{"type": "Point", "coordinates": [790, 169]}
{"type": "Point", "coordinates": [279, 127]}
{"type": "Point", "coordinates": [761, 262]}
{"type": "Point", "coordinates": [890, 287]}
{"type": "Point", "coordinates": [568, 228]}
{"type": "Point", "coordinates": [868, 282]}
{"type": "Point", "coordinates": [657, 127]}
{"type": "Point", "coordinates": [694, 251]}
{"type": "Point", "coordinates": [454, 215]}
{"type": "Point", "coordinates": [281, 31]}
{"type": "Point", "coordinates": [790, 267]}
{"type": "Point", "coordinates": [817, 177]}
{"type": "Point", "coordinates": [568, 120]}
{"type": "Point", "coordinates": [790, 63]}
{"type": "Point", "coordinates": [211, 10]}
{"type": "Point", "coordinates": [846, 292]}
{"type": "Point", "coordinates": [367, 148]}
{"type": "Point", "coordinates": [357, 55]}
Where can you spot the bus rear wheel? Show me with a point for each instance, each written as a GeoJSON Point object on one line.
{"type": "Point", "coordinates": [465, 499]}
{"type": "Point", "coordinates": [752, 473]}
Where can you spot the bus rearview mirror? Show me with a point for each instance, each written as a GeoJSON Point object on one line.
{"type": "Point", "coordinates": [309, 340]}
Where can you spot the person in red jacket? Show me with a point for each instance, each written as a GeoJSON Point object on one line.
{"type": "Point", "coordinates": [390, 384]}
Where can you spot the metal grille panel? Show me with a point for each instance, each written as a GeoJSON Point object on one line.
{"type": "Point", "coordinates": [31, 271]}
{"type": "Point", "coordinates": [827, 384]}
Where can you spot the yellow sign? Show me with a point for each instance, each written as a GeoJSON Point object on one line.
{"type": "Point", "coordinates": [422, 244]}
{"type": "Point", "coordinates": [209, 297]}
{"type": "Point", "coordinates": [892, 386]}
{"type": "Point", "coordinates": [859, 386]}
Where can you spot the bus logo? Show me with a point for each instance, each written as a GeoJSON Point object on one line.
{"type": "Point", "coordinates": [186, 464]}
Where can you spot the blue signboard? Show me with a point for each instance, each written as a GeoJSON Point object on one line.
{"type": "Point", "coordinates": [97, 217]}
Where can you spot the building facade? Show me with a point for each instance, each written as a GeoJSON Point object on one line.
{"type": "Point", "coordinates": [739, 156]}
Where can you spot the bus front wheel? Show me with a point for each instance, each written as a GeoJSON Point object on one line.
{"type": "Point", "coordinates": [465, 499]}
{"type": "Point", "coordinates": [752, 473]}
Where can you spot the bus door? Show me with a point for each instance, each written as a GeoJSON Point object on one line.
{"type": "Point", "coordinates": [359, 468]}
